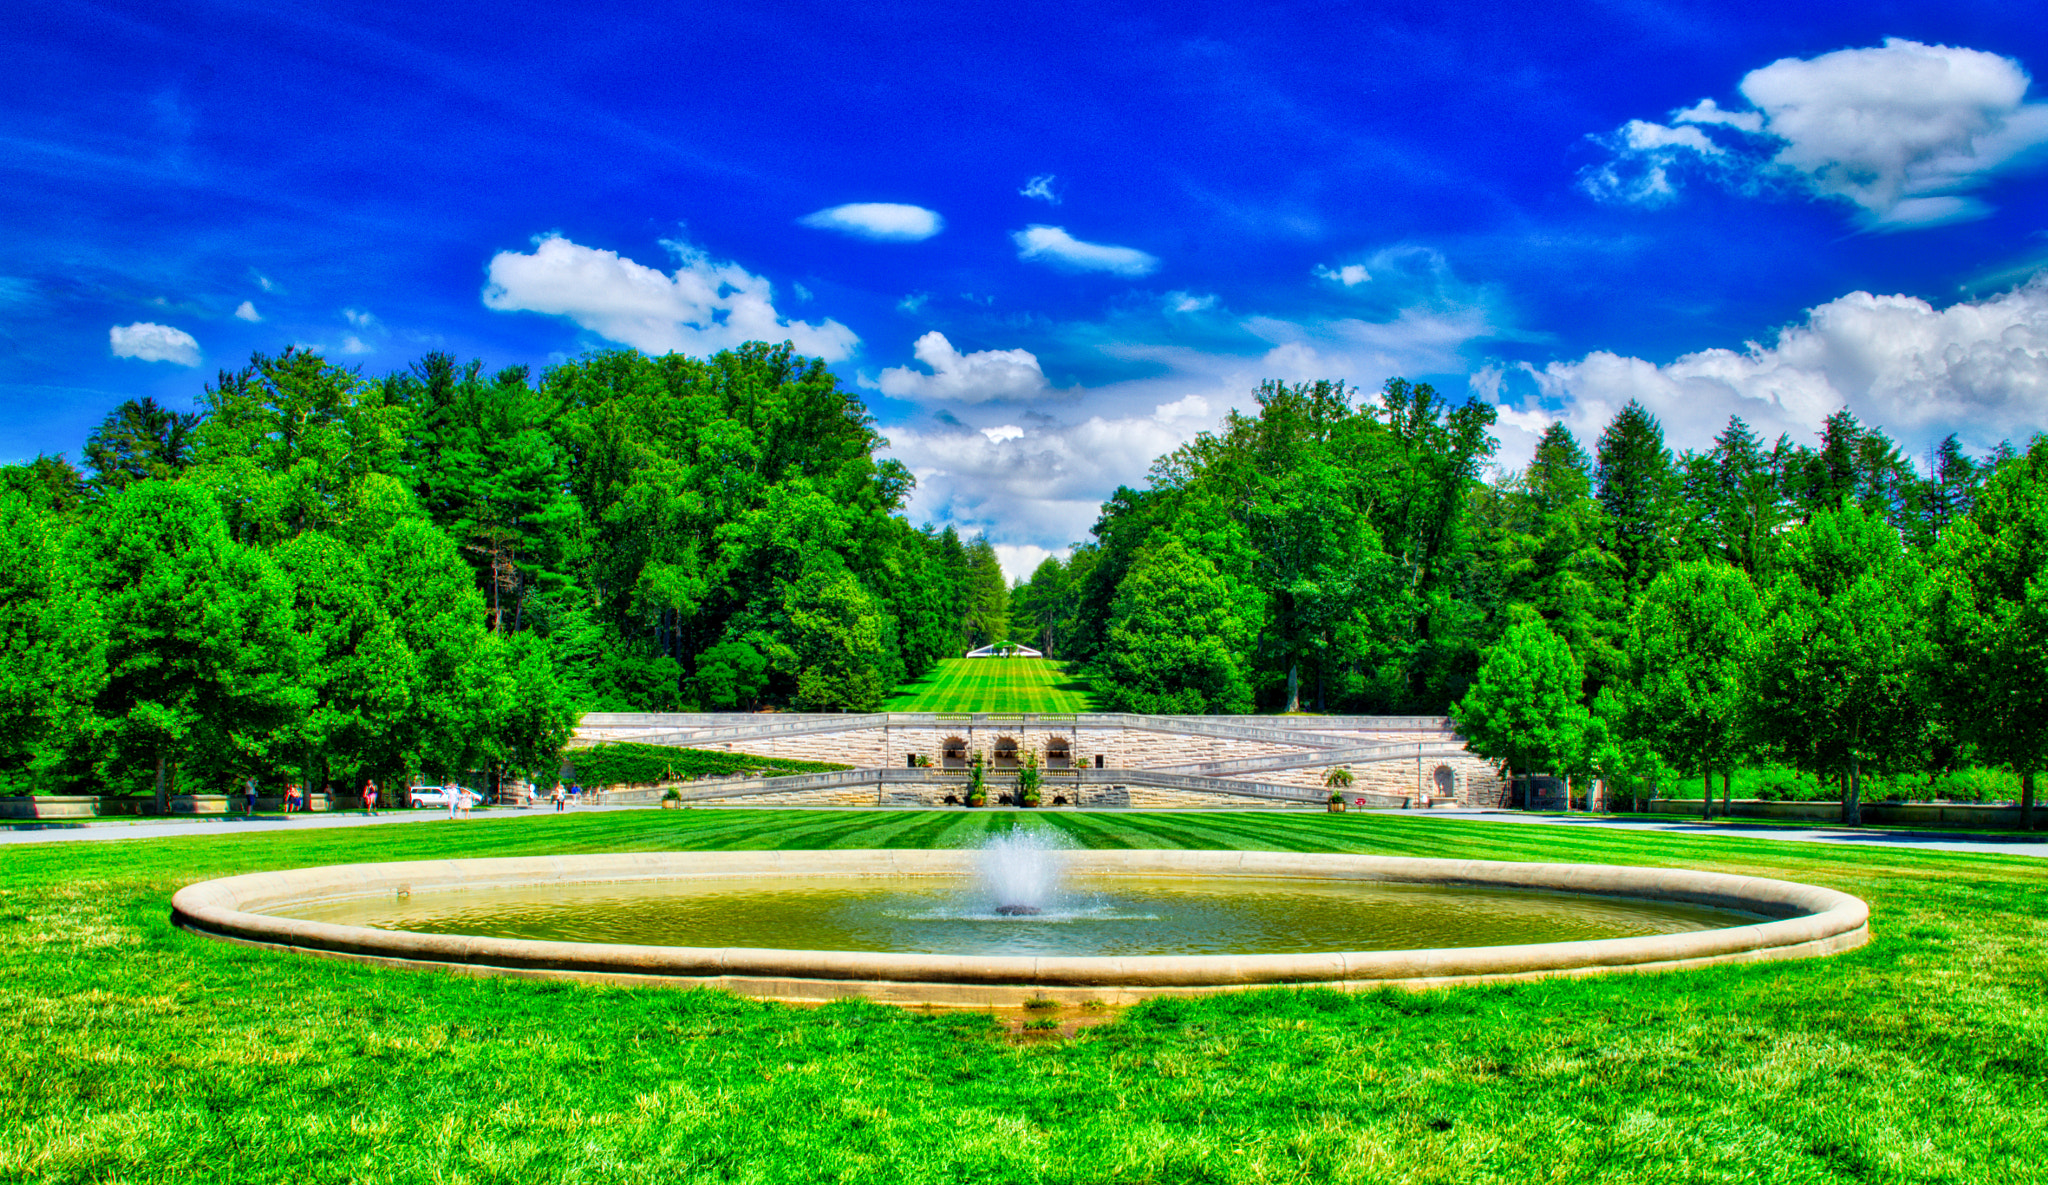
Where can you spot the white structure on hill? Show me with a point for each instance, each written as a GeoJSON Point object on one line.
{"type": "Point", "coordinates": [1005, 650]}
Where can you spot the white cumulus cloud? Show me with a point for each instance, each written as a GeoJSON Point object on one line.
{"type": "Point", "coordinates": [1020, 560]}
{"type": "Point", "coordinates": [1053, 245]}
{"type": "Point", "coordinates": [964, 378]}
{"type": "Point", "coordinates": [1187, 407]}
{"type": "Point", "coordinates": [154, 343]}
{"type": "Point", "coordinates": [1044, 487]}
{"type": "Point", "coordinates": [885, 221]}
{"type": "Point", "coordinates": [1902, 131]}
{"type": "Point", "coordinates": [703, 307]}
{"type": "Point", "coordinates": [246, 311]}
{"type": "Point", "coordinates": [1976, 368]}
{"type": "Point", "coordinates": [1002, 432]}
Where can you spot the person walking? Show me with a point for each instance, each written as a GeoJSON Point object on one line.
{"type": "Point", "coordinates": [559, 801]}
{"type": "Point", "coordinates": [291, 797]}
{"type": "Point", "coordinates": [462, 797]}
{"type": "Point", "coordinates": [370, 797]}
{"type": "Point", "coordinates": [249, 794]}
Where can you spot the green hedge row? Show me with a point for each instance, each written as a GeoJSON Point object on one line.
{"type": "Point", "coordinates": [611, 764]}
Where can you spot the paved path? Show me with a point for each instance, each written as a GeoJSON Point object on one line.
{"type": "Point", "coordinates": [58, 831]}
{"type": "Point", "coordinates": [1938, 841]}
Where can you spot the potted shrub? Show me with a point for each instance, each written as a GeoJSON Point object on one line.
{"type": "Point", "coordinates": [977, 780]}
{"type": "Point", "coordinates": [671, 799]}
{"type": "Point", "coordinates": [1336, 802]}
{"type": "Point", "coordinates": [1027, 781]}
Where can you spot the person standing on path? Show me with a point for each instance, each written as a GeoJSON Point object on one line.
{"type": "Point", "coordinates": [370, 797]}
{"type": "Point", "coordinates": [558, 798]}
{"type": "Point", "coordinates": [249, 793]}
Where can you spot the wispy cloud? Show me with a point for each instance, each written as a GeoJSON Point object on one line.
{"type": "Point", "coordinates": [1053, 245]}
{"type": "Point", "coordinates": [882, 221]}
{"type": "Point", "coordinates": [246, 311]}
{"type": "Point", "coordinates": [1039, 189]}
{"type": "Point", "coordinates": [1351, 275]}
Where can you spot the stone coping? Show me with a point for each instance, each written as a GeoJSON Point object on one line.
{"type": "Point", "coordinates": [1802, 921]}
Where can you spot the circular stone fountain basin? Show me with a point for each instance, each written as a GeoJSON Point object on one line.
{"type": "Point", "coordinates": [896, 925]}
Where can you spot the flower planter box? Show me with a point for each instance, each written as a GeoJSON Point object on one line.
{"type": "Point", "coordinates": [1336, 808]}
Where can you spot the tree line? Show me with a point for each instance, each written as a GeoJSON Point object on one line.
{"type": "Point", "coordinates": [1622, 613]}
{"type": "Point", "coordinates": [327, 576]}
{"type": "Point", "coordinates": [331, 575]}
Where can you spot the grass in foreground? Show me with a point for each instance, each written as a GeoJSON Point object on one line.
{"type": "Point", "coordinates": [994, 685]}
{"type": "Point", "coordinates": [132, 1052]}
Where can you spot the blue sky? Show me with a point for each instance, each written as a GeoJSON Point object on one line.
{"type": "Point", "coordinates": [1049, 242]}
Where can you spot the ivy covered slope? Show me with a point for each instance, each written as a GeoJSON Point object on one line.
{"type": "Point", "coordinates": [622, 762]}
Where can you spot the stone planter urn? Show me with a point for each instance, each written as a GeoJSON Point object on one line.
{"type": "Point", "coordinates": [1336, 806]}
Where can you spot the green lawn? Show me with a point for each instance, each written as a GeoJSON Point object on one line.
{"type": "Point", "coordinates": [993, 685]}
{"type": "Point", "coordinates": [130, 1051]}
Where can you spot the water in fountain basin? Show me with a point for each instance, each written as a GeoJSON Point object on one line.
{"type": "Point", "coordinates": [1020, 872]}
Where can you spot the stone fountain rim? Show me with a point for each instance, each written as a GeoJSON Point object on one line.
{"type": "Point", "coordinates": [1802, 921]}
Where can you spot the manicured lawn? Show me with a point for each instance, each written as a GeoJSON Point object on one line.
{"type": "Point", "coordinates": [993, 685]}
{"type": "Point", "coordinates": [130, 1051]}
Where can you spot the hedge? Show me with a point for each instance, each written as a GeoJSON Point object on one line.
{"type": "Point", "coordinates": [621, 762]}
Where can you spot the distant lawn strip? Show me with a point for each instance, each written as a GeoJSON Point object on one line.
{"type": "Point", "coordinates": [622, 762]}
{"type": "Point", "coordinates": [994, 685]}
{"type": "Point", "coordinates": [131, 1051]}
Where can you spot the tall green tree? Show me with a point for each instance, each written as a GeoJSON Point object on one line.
{"type": "Point", "coordinates": [837, 634]}
{"type": "Point", "coordinates": [202, 663]}
{"type": "Point", "coordinates": [140, 440]}
{"type": "Point", "coordinates": [1543, 534]}
{"type": "Point", "coordinates": [1692, 641]}
{"type": "Point", "coordinates": [1837, 677]}
{"type": "Point", "coordinates": [1989, 622]}
{"type": "Point", "coordinates": [293, 443]}
{"type": "Point", "coordinates": [1737, 499]}
{"type": "Point", "coordinates": [1636, 484]}
{"type": "Point", "coordinates": [49, 637]}
{"type": "Point", "coordinates": [987, 596]}
{"type": "Point", "coordinates": [1045, 602]}
{"type": "Point", "coordinates": [1523, 713]}
{"type": "Point", "coordinates": [1175, 638]}
{"type": "Point", "coordinates": [47, 483]}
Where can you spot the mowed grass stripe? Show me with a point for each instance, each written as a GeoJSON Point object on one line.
{"type": "Point", "coordinates": [993, 685]}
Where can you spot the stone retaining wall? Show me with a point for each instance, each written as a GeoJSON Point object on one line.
{"type": "Point", "coordinates": [879, 741]}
